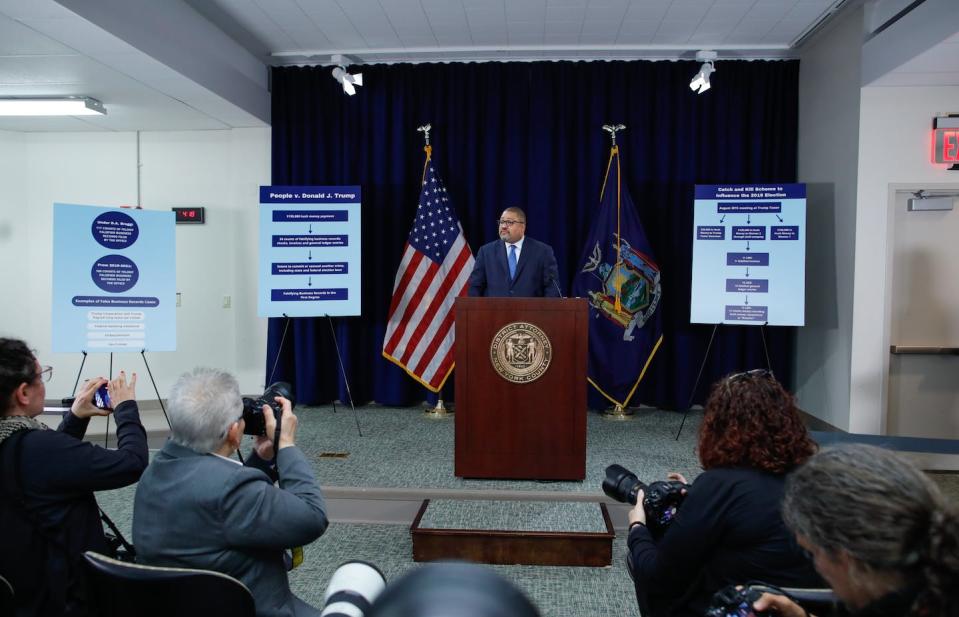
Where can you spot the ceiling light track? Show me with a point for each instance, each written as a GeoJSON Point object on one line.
{"type": "Point", "coordinates": [323, 57]}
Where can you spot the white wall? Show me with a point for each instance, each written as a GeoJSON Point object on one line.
{"type": "Point", "coordinates": [894, 152]}
{"type": "Point", "coordinates": [828, 152]}
{"type": "Point", "coordinates": [14, 219]}
{"type": "Point", "coordinates": [219, 170]}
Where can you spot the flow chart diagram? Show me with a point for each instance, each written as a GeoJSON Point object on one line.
{"type": "Point", "coordinates": [749, 254]}
{"type": "Point", "coordinates": [309, 251]}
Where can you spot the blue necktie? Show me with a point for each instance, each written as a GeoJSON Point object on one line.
{"type": "Point", "coordinates": [512, 261]}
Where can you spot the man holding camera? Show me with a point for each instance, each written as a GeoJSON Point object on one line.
{"type": "Point", "coordinates": [48, 514]}
{"type": "Point", "coordinates": [195, 507]}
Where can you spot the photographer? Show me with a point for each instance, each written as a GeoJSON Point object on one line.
{"type": "Point", "coordinates": [196, 507]}
{"type": "Point", "coordinates": [729, 529]}
{"type": "Point", "coordinates": [48, 512]}
{"type": "Point", "coordinates": [879, 531]}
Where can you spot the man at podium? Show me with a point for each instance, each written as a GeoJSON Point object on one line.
{"type": "Point", "coordinates": [515, 265]}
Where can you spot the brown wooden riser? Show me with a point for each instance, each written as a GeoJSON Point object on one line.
{"type": "Point", "coordinates": [536, 548]}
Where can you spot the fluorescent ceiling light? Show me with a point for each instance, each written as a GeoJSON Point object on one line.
{"type": "Point", "coordinates": [50, 106]}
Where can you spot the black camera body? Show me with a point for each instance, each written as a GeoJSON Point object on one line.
{"type": "Point", "coordinates": [737, 601]}
{"type": "Point", "coordinates": [661, 499]}
{"type": "Point", "coordinates": [255, 423]}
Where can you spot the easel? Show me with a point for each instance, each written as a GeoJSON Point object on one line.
{"type": "Point", "coordinates": [76, 383]}
{"type": "Point", "coordinates": [339, 358]}
{"type": "Point", "coordinates": [702, 366]}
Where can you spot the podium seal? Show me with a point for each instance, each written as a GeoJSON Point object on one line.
{"type": "Point", "coordinates": [520, 352]}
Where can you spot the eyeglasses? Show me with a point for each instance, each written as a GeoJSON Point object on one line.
{"type": "Point", "coordinates": [509, 223]}
{"type": "Point", "coordinates": [758, 373]}
{"type": "Point", "coordinates": [46, 372]}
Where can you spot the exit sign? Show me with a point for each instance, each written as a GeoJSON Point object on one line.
{"type": "Point", "coordinates": [945, 140]}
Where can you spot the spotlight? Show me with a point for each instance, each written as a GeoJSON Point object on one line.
{"type": "Point", "coordinates": [700, 82]}
{"type": "Point", "coordinates": [345, 79]}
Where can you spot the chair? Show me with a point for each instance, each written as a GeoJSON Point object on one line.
{"type": "Point", "coordinates": [6, 597]}
{"type": "Point", "coordinates": [119, 589]}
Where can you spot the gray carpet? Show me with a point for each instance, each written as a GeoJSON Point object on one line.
{"type": "Point", "coordinates": [557, 591]}
{"type": "Point", "coordinates": [553, 516]}
{"type": "Point", "coordinates": [402, 447]}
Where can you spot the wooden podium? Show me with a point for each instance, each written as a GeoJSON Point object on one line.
{"type": "Point", "coordinates": [521, 426]}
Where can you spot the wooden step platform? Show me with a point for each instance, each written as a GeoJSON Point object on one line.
{"type": "Point", "coordinates": [536, 533]}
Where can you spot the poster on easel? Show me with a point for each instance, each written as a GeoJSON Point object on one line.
{"type": "Point", "coordinates": [749, 254]}
{"type": "Point", "coordinates": [114, 279]}
{"type": "Point", "coordinates": [309, 251]}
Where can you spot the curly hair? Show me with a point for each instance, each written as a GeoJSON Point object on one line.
{"type": "Point", "coordinates": [17, 365]}
{"type": "Point", "coordinates": [912, 532]}
{"type": "Point", "coordinates": [751, 421]}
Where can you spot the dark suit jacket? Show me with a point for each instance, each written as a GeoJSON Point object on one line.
{"type": "Point", "coordinates": [200, 511]}
{"type": "Point", "coordinates": [536, 272]}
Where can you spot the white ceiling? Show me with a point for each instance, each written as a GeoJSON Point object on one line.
{"type": "Point", "coordinates": [404, 30]}
{"type": "Point", "coordinates": [936, 66]}
{"type": "Point", "coordinates": [202, 64]}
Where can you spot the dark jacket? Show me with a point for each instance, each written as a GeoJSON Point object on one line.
{"type": "Point", "coordinates": [729, 530]}
{"type": "Point", "coordinates": [58, 473]}
{"type": "Point", "coordinates": [202, 511]}
{"type": "Point", "coordinates": [536, 271]}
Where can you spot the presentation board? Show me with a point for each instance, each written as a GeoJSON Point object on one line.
{"type": "Point", "coordinates": [114, 279]}
{"type": "Point", "coordinates": [309, 251]}
{"type": "Point", "coordinates": [749, 254]}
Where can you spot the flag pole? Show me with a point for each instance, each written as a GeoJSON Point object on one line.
{"type": "Point", "coordinates": [439, 410]}
{"type": "Point", "coordinates": [617, 411]}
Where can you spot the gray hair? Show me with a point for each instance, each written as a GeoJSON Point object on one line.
{"type": "Point", "coordinates": [885, 514]}
{"type": "Point", "coordinates": [203, 404]}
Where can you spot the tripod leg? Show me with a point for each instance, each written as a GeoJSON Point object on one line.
{"type": "Point", "coordinates": [762, 330]}
{"type": "Point", "coordinates": [143, 353]}
{"type": "Point", "coordinates": [345, 380]}
{"type": "Point", "coordinates": [106, 434]}
{"type": "Point", "coordinates": [696, 384]}
{"type": "Point", "coordinates": [279, 349]}
{"type": "Point", "coordinates": [79, 372]}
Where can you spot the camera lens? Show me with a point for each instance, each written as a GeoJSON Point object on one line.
{"type": "Point", "coordinates": [352, 589]}
{"type": "Point", "coordinates": [621, 484]}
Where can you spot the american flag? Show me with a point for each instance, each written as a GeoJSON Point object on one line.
{"type": "Point", "coordinates": [435, 269]}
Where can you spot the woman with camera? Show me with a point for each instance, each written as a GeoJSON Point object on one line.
{"type": "Point", "coordinates": [729, 529]}
{"type": "Point", "coordinates": [48, 512]}
{"type": "Point", "coordinates": [879, 532]}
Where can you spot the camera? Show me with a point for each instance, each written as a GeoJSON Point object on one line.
{"type": "Point", "coordinates": [661, 499]}
{"type": "Point", "coordinates": [101, 398]}
{"type": "Point", "coordinates": [737, 601]}
{"type": "Point", "coordinates": [255, 423]}
{"type": "Point", "coordinates": [352, 589]}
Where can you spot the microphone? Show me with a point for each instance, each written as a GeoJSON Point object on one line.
{"type": "Point", "coordinates": [556, 285]}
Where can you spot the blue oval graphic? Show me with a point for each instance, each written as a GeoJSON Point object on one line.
{"type": "Point", "coordinates": [115, 230]}
{"type": "Point", "coordinates": [114, 273]}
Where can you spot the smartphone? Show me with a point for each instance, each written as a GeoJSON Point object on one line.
{"type": "Point", "coordinates": [102, 398]}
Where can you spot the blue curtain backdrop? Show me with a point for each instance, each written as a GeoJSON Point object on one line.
{"type": "Point", "coordinates": [529, 134]}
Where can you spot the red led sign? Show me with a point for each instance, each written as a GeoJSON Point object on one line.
{"type": "Point", "coordinates": [945, 146]}
{"type": "Point", "coordinates": [189, 215]}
